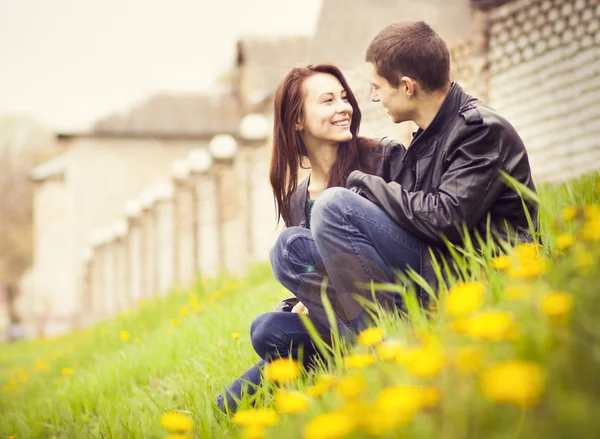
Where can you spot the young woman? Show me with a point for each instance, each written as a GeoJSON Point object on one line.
{"type": "Point", "coordinates": [316, 123]}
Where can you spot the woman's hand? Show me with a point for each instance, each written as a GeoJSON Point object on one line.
{"type": "Point", "coordinates": [299, 308]}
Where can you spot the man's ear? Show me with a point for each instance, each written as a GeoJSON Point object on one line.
{"type": "Point", "coordinates": [408, 85]}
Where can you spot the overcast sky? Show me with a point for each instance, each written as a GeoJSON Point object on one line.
{"type": "Point", "coordinates": [67, 63]}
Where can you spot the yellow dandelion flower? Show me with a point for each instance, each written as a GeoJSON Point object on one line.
{"type": "Point", "coordinates": [517, 291]}
{"type": "Point", "coordinates": [389, 350]}
{"type": "Point", "coordinates": [124, 335]}
{"type": "Point", "coordinates": [282, 370]}
{"type": "Point", "coordinates": [23, 376]}
{"type": "Point", "coordinates": [290, 402]}
{"type": "Point", "coordinates": [195, 305]}
{"type": "Point", "coordinates": [371, 336]}
{"type": "Point", "coordinates": [569, 213]}
{"type": "Point", "coordinates": [219, 293]}
{"type": "Point", "coordinates": [183, 311]}
{"type": "Point", "coordinates": [253, 432]}
{"type": "Point", "coordinates": [66, 371]}
{"type": "Point", "coordinates": [332, 425]}
{"type": "Point", "coordinates": [236, 335]}
{"type": "Point", "coordinates": [358, 361]}
{"type": "Point", "coordinates": [591, 229]}
{"type": "Point", "coordinates": [423, 361]}
{"type": "Point", "coordinates": [399, 403]}
{"type": "Point", "coordinates": [351, 387]}
{"type": "Point", "coordinates": [264, 417]}
{"type": "Point", "coordinates": [179, 436]}
{"type": "Point", "coordinates": [174, 322]}
{"type": "Point", "coordinates": [464, 298]}
{"type": "Point", "coordinates": [176, 422]}
{"type": "Point", "coordinates": [493, 326]}
{"type": "Point", "coordinates": [557, 306]}
{"type": "Point", "coordinates": [501, 263]}
{"type": "Point", "coordinates": [530, 264]}
{"type": "Point", "coordinates": [430, 397]}
{"type": "Point", "coordinates": [565, 241]}
{"type": "Point", "coordinates": [41, 364]}
{"type": "Point", "coordinates": [515, 382]}
{"type": "Point", "coordinates": [322, 385]}
{"type": "Point", "coordinates": [591, 211]}
{"type": "Point", "coordinates": [468, 360]}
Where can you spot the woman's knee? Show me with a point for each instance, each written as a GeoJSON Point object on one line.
{"type": "Point", "coordinates": [261, 333]}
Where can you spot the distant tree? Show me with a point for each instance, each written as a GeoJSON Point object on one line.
{"type": "Point", "coordinates": [23, 145]}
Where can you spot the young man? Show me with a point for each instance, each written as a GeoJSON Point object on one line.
{"type": "Point", "coordinates": [448, 177]}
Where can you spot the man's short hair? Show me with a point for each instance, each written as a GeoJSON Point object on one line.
{"type": "Point", "coordinates": [411, 49]}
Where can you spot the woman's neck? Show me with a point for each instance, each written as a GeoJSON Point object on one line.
{"type": "Point", "coordinates": [321, 157]}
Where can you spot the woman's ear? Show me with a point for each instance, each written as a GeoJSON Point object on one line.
{"type": "Point", "coordinates": [299, 126]}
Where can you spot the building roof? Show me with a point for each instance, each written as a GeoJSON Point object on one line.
{"type": "Point", "coordinates": [54, 168]}
{"type": "Point", "coordinates": [265, 60]}
{"type": "Point", "coordinates": [176, 115]}
{"type": "Point", "coordinates": [344, 29]}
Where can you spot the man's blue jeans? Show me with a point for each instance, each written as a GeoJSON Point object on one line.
{"type": "Point", "coordinates": [351, 244]}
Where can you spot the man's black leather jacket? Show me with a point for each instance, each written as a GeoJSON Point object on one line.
{"type": "Point", "coordinates": [450, 175]}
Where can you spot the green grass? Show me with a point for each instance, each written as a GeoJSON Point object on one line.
{"type": "Point", "coordinates": [120, 388]}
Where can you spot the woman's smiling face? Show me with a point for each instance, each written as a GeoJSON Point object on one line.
{"type": "Point", "coordinates": [327, 112]}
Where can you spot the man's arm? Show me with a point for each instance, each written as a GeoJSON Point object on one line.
{"type": "Point", "coordinates": [468, 188]}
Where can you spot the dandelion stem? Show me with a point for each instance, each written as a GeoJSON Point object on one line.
{"type": "Point", "coordinates": [521, 422]}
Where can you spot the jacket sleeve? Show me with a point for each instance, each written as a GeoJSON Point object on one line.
{"type": "Point", "coordinates": [468, 188]}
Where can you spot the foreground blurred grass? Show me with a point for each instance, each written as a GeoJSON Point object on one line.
{"type": "Point", "coordinates": [519, 362]}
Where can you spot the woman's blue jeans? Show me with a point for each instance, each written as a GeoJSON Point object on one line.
{"type": "Point", "coordinates": [352, 244]}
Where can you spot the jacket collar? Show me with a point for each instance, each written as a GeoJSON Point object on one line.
{"type": "Point", "coordinates": [297, 203]}
{"type": "Point", "coordinates": [425, 140]}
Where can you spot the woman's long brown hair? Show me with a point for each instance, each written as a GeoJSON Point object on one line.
{"type": "Point", "coordinates": [288, 147]}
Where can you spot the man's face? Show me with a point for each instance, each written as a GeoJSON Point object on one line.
{"type": "Point", "coordinates": [394, 100]}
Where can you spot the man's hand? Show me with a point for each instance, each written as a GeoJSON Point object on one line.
{"type": "Point", "coordinates": [299, 308]}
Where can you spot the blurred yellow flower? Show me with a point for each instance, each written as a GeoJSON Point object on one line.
{"type": "Point", "coordinates": [177, 422]}
{"type": "Point", "coordinates": [219, 293]}
{"type": "Point", "coordinates": [322, 385]}
{"type": "Point", "coordinates": [530, 264]}
{"type": "Point", "coordinates": [569, 213]}
{"type": "Point", "coordinates": [263, 417]}
{"type": "Point", "coordinates": [591, 229]}
{"type": "Point", "coordinates": [351, 387]}
{"type": "Point", "coordinates": [179, 436]}
{"type": "Point", "coordinates": [236, 335]}
{"type": "Point", "coordinates": [557, 306]}
{"type": "Point", "coordinates": [501, 263]}
{"type": "Point", "coordinates": [253, 432]}
{"type": "Point", "coordinates": [282, 370]}
{"type": "Point", "coordinates": [464, 298]}
{"type": "Point", "coordinates": [389, 350]}
{"type": "Point", "coordinates": [430, 397]}
{"type": "Point", "coordinates": [565, 241]}
{"type": "Point", "coordinates": [174, 322]}
{"type": "Point", "coordinates": [183, 311]}
{"type": "Point", "coordinates": [23, 376]}
{"type": "Point", "coordinates": [591, 211]}
{"type": "Point", "coordinates": [124, 335]}
{"type": "Point", "coordinates": [399, 403]}
{"type": "Point", "coordinates": [423, 361]}
{"type": "Point", "coordinates": [290, 402]}
{"type": "Point", "coordinates": [468, 360]}
{"type": "Point", "coordinates": [66, 371]}
{"type": "Point", "coordinates": [515, 382]}
{"type": "Point", "coordinates": [493, 326]}
{"type": "Point", "coordinates": [358, 361]}
{"type": "Point", "coordinates": [332, 425]}
{"type": "Point", "coordinates": [41, 364]}
{"type": "Point", "coordinates": [371, 336]}
{"type": "Point", "coordinates": [195, 305]}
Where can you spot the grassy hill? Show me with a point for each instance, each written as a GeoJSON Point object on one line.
{"type": "Point", "coordinates": [513, 351]}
